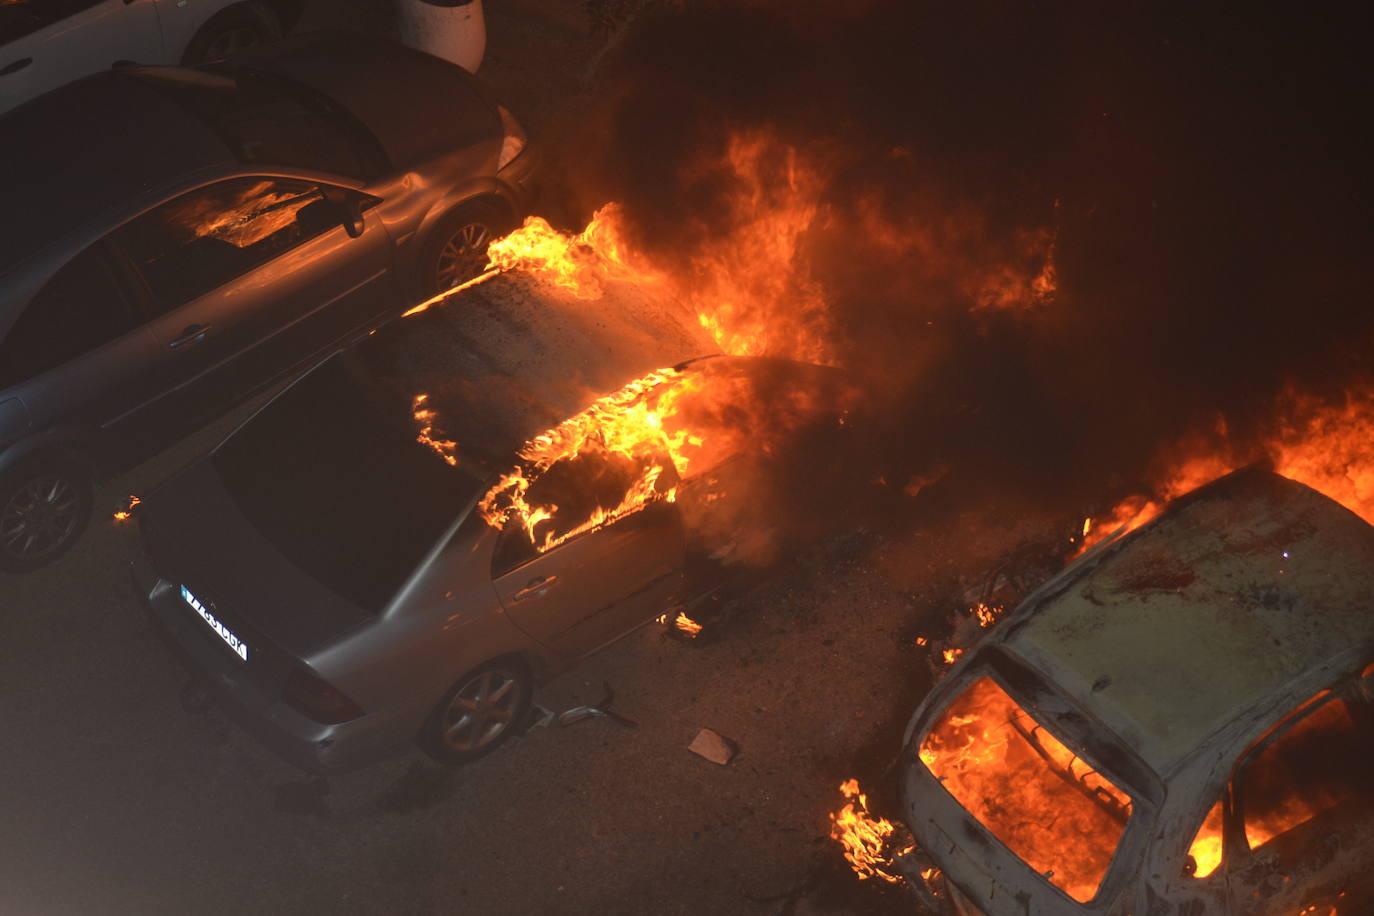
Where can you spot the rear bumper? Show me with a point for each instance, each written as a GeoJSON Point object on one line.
{"type": "Point", "coordinates": [306, 744]}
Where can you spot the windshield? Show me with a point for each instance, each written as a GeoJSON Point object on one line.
{"type": "Point", "coordinates": [267, 120]}
{"type": "Point", "coordinates": [1033, 792]}
{"type": "Point", "coordinates": [331, 474]}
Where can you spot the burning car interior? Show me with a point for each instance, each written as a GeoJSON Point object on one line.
{"type": "Point", "coordinates": [668, 456]}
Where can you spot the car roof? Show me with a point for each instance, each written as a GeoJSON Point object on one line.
{"type": "Point", "coordinates": [416, 105]}
{"type": "Point", "coordinates": [87, 147]}
{"type": "Point", "coordinates": [1219, 607]}
{"type": "Point", "coordinates": [508, 359]}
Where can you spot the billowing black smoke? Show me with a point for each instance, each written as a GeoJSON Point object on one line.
{"type": "Point", "coordinates": [1201, 172]}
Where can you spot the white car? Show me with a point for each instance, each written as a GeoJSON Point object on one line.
{"type": "Point", "coordinates": [455, 30]}
{"type": "Point", "coordinates": [47, 43]}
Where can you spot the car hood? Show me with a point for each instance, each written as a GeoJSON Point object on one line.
{"type": "Point", "coordinates": [197, 537]}
{"type": "Point", "coordinates": [416, 105]}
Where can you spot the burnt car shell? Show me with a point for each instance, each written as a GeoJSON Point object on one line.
{"type": "Point", "coordinates": [1161, 659]}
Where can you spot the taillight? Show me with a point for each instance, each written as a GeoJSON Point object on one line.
{"type": "Point", "coordinates": [317, 700]}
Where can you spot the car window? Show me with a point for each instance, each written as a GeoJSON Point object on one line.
{"type": "Point", "coordinates": [1317, 763]}
{"type": "Point", "coordinates": [24, 17]}
{"type": "Point", "coordinates": [210, 236]}
{"type": "Point", "coordinates": [331, 477]}
{"type": "Point", "coordinates": [79, 309]}
{"type": "Point", "coordinates": [575, 496]}
{"type": "Point", "coordinates": [1031, 791]}
{"type": "Point", "coordinates": [268, 120]}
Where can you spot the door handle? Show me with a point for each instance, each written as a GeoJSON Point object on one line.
{"type": "Point", "coordinates": [15, 67]}
{"type": "Point", "coordinates": [193, 333]}
{"type": "Point", "coordinates": [534, 587]}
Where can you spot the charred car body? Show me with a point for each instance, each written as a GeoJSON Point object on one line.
{"type": "Point", "coordinates": [1179, 722]}
{"type": "Point", "coordinates": [336, 570]}
{"type": "Point", "coordinates": [222, 229]}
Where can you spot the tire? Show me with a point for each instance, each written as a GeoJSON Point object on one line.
{"type": "Point", "coordinates": [237, 28]}
{"type": "Point", "coordinates": [44, 507]}
{"type": "Point", "coordinates": [456, 250]}
{"type": "Point", "coordinates": [479, 713]}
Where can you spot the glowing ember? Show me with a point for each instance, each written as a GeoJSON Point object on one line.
{"type": "Point", "coordinates": [866, 839]}
{"type": "Point", "coordinates": [952, 655]}
{"type": "Point", "coordinates": [123, 515]}
{"type": "Point", "coordinates": [1031, 791]}
{"type": "Point", "coordinates": [684, 624]}
{"type": "Point", "coordinates": [985, 615]}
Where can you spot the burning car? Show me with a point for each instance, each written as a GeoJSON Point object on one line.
{"type": "Point", "coordinates": [401, 543]}
{"type": "Point", "coordinates": [1181, 721]}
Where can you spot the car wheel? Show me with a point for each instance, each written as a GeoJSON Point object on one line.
{"type": "Point", "coordinates": [230, 31]}
{"type": "Point", "coordinates": [457, 250]}
{"type": "Point", "coordinates": [43, 510]}
{"type": "Point", "coordinates": [482, 710]}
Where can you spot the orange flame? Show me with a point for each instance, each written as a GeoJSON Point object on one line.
{"type": "Point", "coordinates": [1031, 791]}
{"type": "Point", "coordinates": [684, 624]}
{"type": "Point", "coordinates": [123, 515]}
{"type": "Point", "coordinates": [866, 839]}
{"type": "Point", "coordinates": [1327, 447]}
{"type": "Point", "coordinates": [629, 423]}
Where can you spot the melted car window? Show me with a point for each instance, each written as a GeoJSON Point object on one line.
{"type": "Point", "coordinates": [1318, 764]}
{"type": "Point", "coordinates": [1064, 819]}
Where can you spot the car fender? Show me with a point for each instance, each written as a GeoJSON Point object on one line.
{"type": "Point", "coordinates": [72, 444]}
{"type": "Point", "coordinates": [487, 188]}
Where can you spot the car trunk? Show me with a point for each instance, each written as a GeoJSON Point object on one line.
{"type": "Point", "coordinates": [198, 538]}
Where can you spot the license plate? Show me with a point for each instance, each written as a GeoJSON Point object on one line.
{"type": "Point", "coordinates": [233, 642]}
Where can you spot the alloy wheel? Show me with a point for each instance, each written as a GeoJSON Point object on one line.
{"type": "Point", "coordinates": [482, 711]}
{"type": "Point", "coordinates": [40, 517]}
{"type": "Point", "coordinates": [464, 256]}
{"type": "Point", "coordinates": [231, 41]}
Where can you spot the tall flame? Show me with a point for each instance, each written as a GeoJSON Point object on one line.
{"type": "Point", "coordinates": [866, 839]}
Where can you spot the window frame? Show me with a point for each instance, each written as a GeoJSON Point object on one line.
{"type": "Point", "coordinates": [498, 571]}
{"type": "Point", "coordinates": [1236, 850]}
{"type": "Point", "coordinates": [1028, 691]}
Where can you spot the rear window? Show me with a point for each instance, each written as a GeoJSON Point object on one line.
{"type": "Point", "coordinates": [1028, 788]}
{"type": "Point", "coordinates": [331, 474]}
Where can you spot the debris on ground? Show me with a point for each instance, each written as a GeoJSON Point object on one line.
{"type": "Point", "coordinates": [599, 710]}
{"type": "Point", "coordinates": [713, 747]}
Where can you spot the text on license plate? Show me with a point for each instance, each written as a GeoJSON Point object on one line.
{"type": "Point", "coordinates": [239, 646]}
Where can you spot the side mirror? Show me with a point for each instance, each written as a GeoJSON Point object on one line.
{"type": "Point", "coordinates": [351, 215]}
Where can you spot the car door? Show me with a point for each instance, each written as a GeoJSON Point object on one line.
{"type": "Point", "coordinates": [594, 587]}
{"type": "Point", "coordinates": [251, 277]}
{"type": "Point", "coordinates": [79, 356]}
{"type": "Point", "coordinates": [46, 43]}
{"type": "Point", "coordinates": [1303, 835]}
